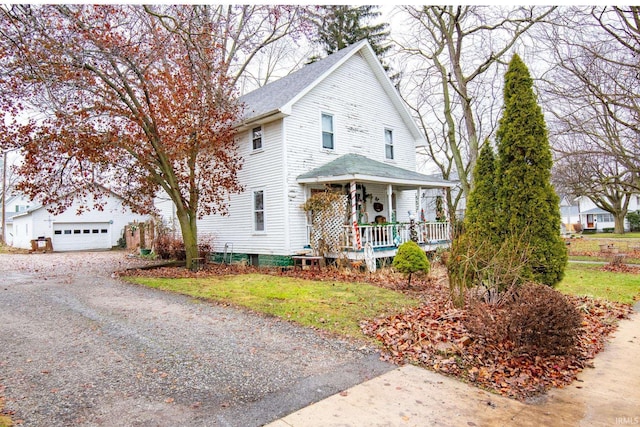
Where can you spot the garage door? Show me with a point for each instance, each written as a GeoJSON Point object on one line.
{"type": "Point", "coordinates": [81, 236]}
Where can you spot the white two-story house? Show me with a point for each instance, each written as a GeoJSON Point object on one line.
{"type": "Point", "coordinates": [336, 124]}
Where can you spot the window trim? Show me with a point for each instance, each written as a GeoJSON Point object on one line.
{"type": "Point", "coordinates": [255, 211]}
{"type": "Point", "coordinates": [390, 145]}
{"type": "Point", "coordinates": [254, 139]}
{"type": "Point", "coordinates": [332, 132]}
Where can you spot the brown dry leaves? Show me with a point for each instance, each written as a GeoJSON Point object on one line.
{"type": "Point", "coordinates": [434, 336]}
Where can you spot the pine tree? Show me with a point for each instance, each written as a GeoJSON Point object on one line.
{"type": "Point", "coordinates": [340, 26]}
{"type": "Point", "coordinates": [527, 202]}
{"type": "Point", "coordinates": [482, 211]}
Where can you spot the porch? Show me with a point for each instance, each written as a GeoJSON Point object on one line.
{"type": "Point", "coordinates": [384, 239]}
{"type": "Point", "coordinates": [375, 208]}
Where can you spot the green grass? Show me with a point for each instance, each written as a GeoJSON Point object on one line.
{"type": "Point", "coordinates": [331, 306]}
{"type": "Point", "coordinates": [5, 420]}
{"type": "Point", "coordinates": [589, 280]}
{"type": "Point", "coordinates": [579, 247]}
{"type": "Point", "coordinates": [633, 235]}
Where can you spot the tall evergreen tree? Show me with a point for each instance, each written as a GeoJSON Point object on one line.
{"type": "Point", "coordinates": [339, 26]}
{"type": "Point", "coordinates": [482, 211]}
{"type": "Point", "coordinates": [528, 203]}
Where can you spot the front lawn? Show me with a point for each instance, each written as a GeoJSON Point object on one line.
{"type": "Point", "coordinates": [588, 247]}
{"type": "Point", "coordinates": [593, 281]}
{"type": "Point", "coordinates": [417, 325]}
{"type": "Point", "coordinates": [334, 306]}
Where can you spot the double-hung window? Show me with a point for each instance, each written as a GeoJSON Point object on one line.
{"type": "Point", "coordinates": [258, 210]}
{"type": "Point", "coordinates": [256, 137]}
{"type": "Point", "coordinates": [388, 144]}
{"type": "Point", "coordinates": [327, 131]}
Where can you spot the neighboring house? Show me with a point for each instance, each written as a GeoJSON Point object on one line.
{"type": "Point", "coordinates": [596, 219]}
{"type": "Point", "coordinates": [338, 123]}
{"type": "Point", "coordinates": [70, 231]}
{"type": "Point", "coordinates": [569, 214]}
{"type": "Point", "coordinates": [14, 205]}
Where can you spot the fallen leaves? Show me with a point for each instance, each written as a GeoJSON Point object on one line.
{"type": "Point", "coordinates": [434, 336]}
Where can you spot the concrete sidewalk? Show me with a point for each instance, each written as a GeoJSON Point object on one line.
{"type": "Point", "coordinates": [607, 395]}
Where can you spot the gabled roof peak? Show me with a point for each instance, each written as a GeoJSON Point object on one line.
{"type": "Point", "coordinates": [274, 96]}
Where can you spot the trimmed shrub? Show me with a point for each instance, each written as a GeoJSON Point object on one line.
{"type": "Point", "coordinates": [543, 321]}
{"type": "Point", "coordinates": [535, 318]}
{"type": "Point", "coordinates": [411, 259]}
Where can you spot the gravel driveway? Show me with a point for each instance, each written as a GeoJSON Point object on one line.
{"type": "Point", "coordinates": [78, 347]}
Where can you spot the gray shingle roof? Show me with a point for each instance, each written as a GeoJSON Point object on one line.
{"type": "Point", "coordinates": [356, 166]}
{"type": "Point", "coordinates": [271, 97]}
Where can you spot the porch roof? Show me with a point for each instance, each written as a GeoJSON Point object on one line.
{"type": "Point", "coordinates": [594, 211]}
{"type": "Point", "coordinates": [355, 167]}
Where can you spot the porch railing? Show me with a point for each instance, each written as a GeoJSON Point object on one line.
{"type": "Point", "coordinates": [392, 234]}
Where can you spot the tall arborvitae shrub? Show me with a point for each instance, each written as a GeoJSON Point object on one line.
{"type": "Point", "coordinates": [480, 219]}
{"type": "Point", "coordinates": [527, 201]}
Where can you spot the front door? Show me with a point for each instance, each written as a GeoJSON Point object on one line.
{"type": "Point", "coordinates": [590, 221]}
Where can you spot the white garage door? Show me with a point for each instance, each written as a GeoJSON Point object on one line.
{"type": "Point", "coordinates": [81, 236]}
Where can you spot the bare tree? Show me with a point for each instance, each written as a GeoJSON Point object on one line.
{"type": "Point", "coordinates": [594, 75]}
{"type": "Point", "coordinates": [456, 54]}
{"type": "Point", "coordinates": [592, 92]}
{"type": "Point", "coordinates": [584, 169]}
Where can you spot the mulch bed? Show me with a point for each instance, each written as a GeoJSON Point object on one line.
{"type": "Point", "coordinates": [434, 335]}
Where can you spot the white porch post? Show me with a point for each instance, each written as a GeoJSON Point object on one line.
{"type": "Point", "coordinates": [419, 205]}
{"type": "Point", "coordinates": [390, 203]}
{"type": "Point", "coordinates": [354, 217]}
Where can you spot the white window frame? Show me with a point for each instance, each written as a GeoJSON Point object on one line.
{"type": "Point", "coordinates": [332, 132]}
{"type": "Point", "coordinates": [388, 144]}
{"type": "Point", "coordinates": [254, 139]}
{"type": "Point", "coordinates": [255, 211]}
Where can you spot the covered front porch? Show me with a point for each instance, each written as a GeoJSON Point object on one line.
{"type": "Point", "coordinates": [382, 206]}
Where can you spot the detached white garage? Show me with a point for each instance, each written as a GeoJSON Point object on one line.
{"type": "Point", "coordinates": [81, 236]}
{"type": "Point", "coordinates": [70, 231]}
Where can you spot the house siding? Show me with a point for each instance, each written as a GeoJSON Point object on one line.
{"type": "Point", "coordinates": [262, 169]}
{"type": "Point", "coordinates": [361, 110]}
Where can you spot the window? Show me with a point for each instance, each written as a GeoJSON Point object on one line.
{"type": "Point", "coordinates": [86, 231]}
{"type": "Point", "coordinates": [95, 231]}
{"type": "Point", "coordinates": [605, 217]}
{"type": "Point", "coordinates": [76, 231]}
{"type": "Point", "coordinates": [104, 231]}
{"type": "Point", "coordinates": [327, 131]}
{"type": "Point", "coordinates": [388, 144]}
{"type": "Point", "coordinates": [258, 210]}
{"type": "Point", "coordinates": [256, 137]}
{"type": "Point", "coordinates": [67, 231]}
{"type": "Point", "coordinates": [57, 232]}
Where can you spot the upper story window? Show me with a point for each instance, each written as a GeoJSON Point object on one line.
{"type": "Point", "coordinates": [327, 131]}
{"type": "Point", "coordinates": [258, 210]}
{"type": "Point", "coordinates": [256, 137]}
{"type": "Point", "coordinates": [388, 144]}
